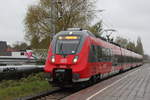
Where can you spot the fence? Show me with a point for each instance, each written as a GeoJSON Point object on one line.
{"type": "Point", "coordinates": [40, 53]}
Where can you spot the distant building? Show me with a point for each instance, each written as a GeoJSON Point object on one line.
{"type": "Point", "coordinates": [3, 46]}
{"type": "Point", "coordinates": [3, 49]}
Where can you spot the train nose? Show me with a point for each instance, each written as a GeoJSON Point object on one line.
{"type": "Point", "coordinates": [62, 76]}
{"type": "Point", "coordinates": [68, 60]}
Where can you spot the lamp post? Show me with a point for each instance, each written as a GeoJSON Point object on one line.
{"type": "Point", "coordinates": [53, 13]}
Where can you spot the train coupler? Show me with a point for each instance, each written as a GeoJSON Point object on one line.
{"type": "Point", "coordinates": [62, 76]}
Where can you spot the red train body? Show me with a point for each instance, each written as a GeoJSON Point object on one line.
{"type": "Point", "coordinates": [78, 56]}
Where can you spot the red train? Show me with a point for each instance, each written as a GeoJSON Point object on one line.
{"type": "Point", "coordinates": [76, 56]}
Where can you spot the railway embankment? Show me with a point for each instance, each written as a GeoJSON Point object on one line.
{"type": "Point", "coordinates": [33, 84]}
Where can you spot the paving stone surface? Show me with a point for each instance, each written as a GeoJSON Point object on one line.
{"type": "Point", "coordinates": [133, 85]}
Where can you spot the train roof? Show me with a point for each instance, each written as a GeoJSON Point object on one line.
{"type": "Point", "coordinates": [79, 31]}
{"type": "Point", "coordinates": [76, 31]}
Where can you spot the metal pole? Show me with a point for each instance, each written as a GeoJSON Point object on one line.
{"type": "Point", "coordinates": [53, 15]}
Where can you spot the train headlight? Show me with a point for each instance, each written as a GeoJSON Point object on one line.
{"type": "Point", "coordinates": [53, 59]}
{"type": "Point", "coordinates": [75, 59]}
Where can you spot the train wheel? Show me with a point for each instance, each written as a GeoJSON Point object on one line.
{"type": "Point", "coordinates": [94, 79]}
{"type": "Point", "coordinates": [121, 71]}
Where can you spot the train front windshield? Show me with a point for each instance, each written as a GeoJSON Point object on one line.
{"type": "Point", "coordinates": [67, 45]}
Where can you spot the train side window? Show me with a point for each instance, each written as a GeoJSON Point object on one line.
{"type": "Point", "coordinates": [115, 60]}
{"type": "Point", "coordinates": [103, 54]}
{"type": "Point", "coordinates": [92, 54]}
{"type": "Point", "coordinates": [122, 60]}
{"type": "Point", "coordinates": [119, 59]}
{"type": "Point", "coordinates": [99, 53]}
{"type": "Point", "coordinates": [109, 55]}
{"type": "Point", "coordinates": [95, 52]}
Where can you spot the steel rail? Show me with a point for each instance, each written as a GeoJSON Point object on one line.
{"type": "Point", "coordinates": [40, 95]}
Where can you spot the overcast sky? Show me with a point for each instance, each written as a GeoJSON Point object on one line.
{"type": "Point", "coordinates": [131, 18]}
{"type": "Point", "coordinates": [12, 14]}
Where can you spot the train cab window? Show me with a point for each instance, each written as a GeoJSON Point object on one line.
{"type": "Point", "coordinates": [67, 46]}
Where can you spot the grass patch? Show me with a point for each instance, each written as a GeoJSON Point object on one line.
{"type": "Point", "coordinates": [13, 89]}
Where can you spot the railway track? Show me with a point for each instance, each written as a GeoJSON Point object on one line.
{"type": "Point", "coordinates": [55, 94]}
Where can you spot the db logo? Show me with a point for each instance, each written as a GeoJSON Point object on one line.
{"type": "Point", "coordinates": [63, 61]}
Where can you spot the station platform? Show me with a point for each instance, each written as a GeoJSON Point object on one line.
{"type": "Point", "coordinates": [131, 85]}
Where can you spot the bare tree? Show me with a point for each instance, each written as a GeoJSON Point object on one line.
{"type": "Point", "coordinates": [139, 46]}
{"type": "Point", "coordinates": [131, 46]}
{"type": "Point", "coordinates": [122, 41]}
{"type": "Point", "coordinates": [97, 29]}
{"type": "Point", "coordinates": [69, 13]}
